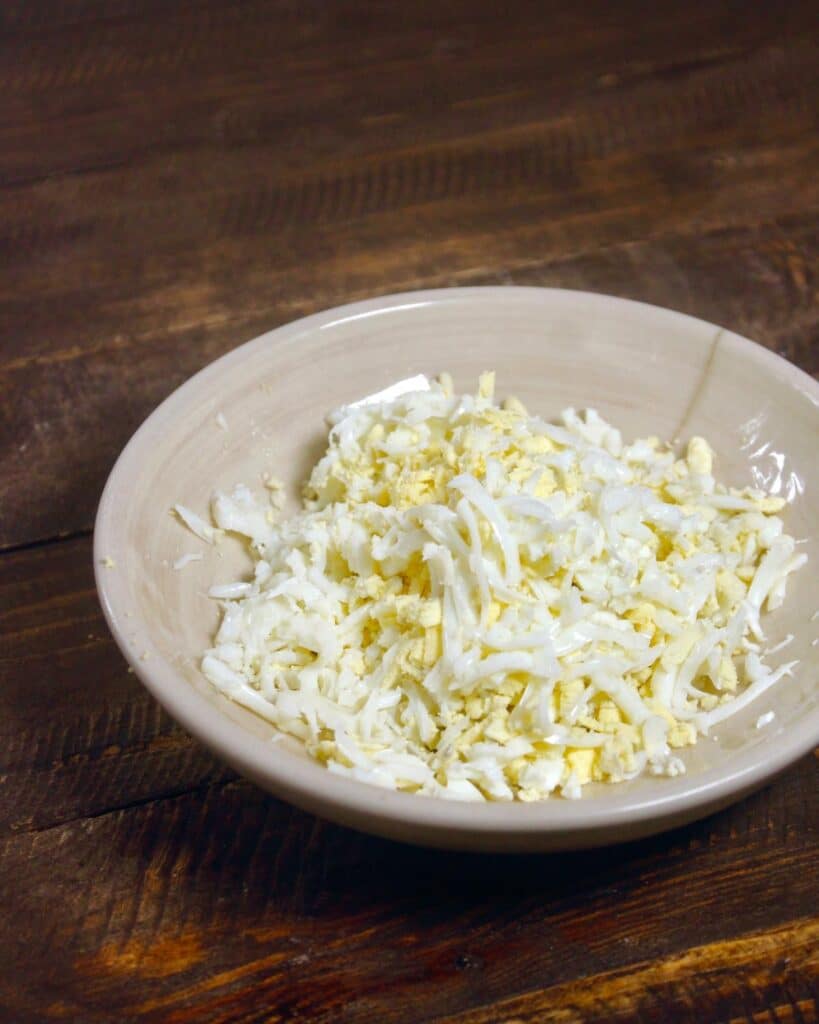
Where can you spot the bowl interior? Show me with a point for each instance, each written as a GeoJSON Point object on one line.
{"type": "Point", "coordinates": [649, 371]}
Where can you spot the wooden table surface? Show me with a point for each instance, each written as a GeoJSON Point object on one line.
{"type": "Point", "coordinates": [176, 178]}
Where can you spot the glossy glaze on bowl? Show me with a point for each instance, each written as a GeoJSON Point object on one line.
{"type": "Point", "coordinates": [647, 370]}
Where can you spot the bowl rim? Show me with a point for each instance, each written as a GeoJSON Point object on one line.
{"type": "Point", "coordinates": [310, 785]}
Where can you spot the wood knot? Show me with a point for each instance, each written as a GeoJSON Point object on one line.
{"type": "Point", "coordinates": [468, 962]}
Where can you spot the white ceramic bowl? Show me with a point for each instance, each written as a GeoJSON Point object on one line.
{"type": "Point", "coordinates": [649, 370]}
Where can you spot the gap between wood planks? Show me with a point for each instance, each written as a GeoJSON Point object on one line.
{"type": "Point", "coordinates": [205, 787]}
{"type": "Point", "coordinates": [41, 542]}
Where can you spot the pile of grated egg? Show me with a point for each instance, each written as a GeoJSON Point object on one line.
{"type": "Point", "coordinates": [476, 603]}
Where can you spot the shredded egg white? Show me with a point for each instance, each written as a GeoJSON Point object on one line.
{"type": "Point", "coordinates": [475, 603]}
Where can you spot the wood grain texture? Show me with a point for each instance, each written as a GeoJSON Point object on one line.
{"type": "Point", "coordinates": [78, 735]}
{"type": "Point", "coordinates": [177, 178]}
{"type": "Point", "coordinates": [714, 980]}
{"type": "Point", "coordinates": [229, 906]}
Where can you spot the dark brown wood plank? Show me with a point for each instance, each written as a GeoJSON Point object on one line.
{"type": "Point", "coordinates": [246, 189]}
{"type": "Point", "coordinates": [229, 906]}
{"type": "Point", "coordinates": [766, 977]}
{"type": "Point", "coordinates": [300, 89]}
{"type": "Point", "coordinates": [78, 734]}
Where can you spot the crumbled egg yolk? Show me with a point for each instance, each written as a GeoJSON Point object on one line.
{"type": "Point", "coordinates": [478, 604]}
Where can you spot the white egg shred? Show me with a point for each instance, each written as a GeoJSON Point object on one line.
{"type": "Point", "coordinates": [476, 603]}
{"type": "Point", "coordinates": [185, 560]}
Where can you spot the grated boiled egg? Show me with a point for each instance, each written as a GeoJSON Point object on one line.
{"type": "Point", "coordinates": [475, 603]}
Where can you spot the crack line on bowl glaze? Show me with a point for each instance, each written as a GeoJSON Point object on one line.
{"type": "Point", "coordinates": [693, 401]}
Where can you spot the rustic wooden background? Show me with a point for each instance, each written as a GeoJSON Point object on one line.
{"type": "Point", "coordinates": [176, 178]}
